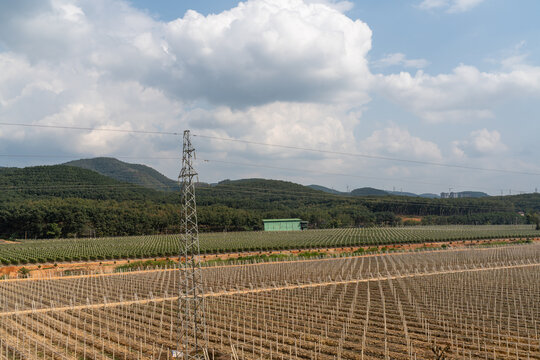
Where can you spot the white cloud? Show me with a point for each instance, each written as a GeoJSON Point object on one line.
{"type": "Point", "coordinates": [450, 6]}
{"type": "Point", "coordinates": [292, 124]}
{"type": "Point", "coordinates": [259, 52]}
{"type": "Point", "coordinates": [280, 71]}
{"type": "Point", "coordinates": [394, 140]}
{"type": "Point", "coordinates": [341, 6]}
{"type": "Point", "coordinates": [58, 95]}
{"type": "Point", "coordinates": [464, 95]}
{"type": "Point", "coordinates": [480, 142]}
{"type": "Point", "coordinates": [399, 59]}
{"type": "Point", "coordinates": [433, 4]}
{"type": "Point", "coordinates": [463, 5]}
{"type": "Point", "coordinates": [264, 51]}
{"type": "Point", "coordinates": [282, 68]}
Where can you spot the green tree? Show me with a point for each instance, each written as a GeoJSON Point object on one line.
{"type": "Point", "coordinates": [53, 230]}
{"type": "Point", "coordinates": [24, 272]}
{"type": "Point", "coordinates": [534, 218]}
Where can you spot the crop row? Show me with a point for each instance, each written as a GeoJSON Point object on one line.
{"type": "Point", "coordinates": [91, 249]}
{"type": "Point", "coordinates": [489, 314]}
{"type": "Point", "coordinates": [31, 294]}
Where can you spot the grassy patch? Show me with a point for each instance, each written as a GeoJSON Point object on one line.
{"type": "Point", "coordinates": [311, 255]}
{"type": "Point", "coordinates": [498, 243]}
{"type": "Point", "coordinates": [144, 265]}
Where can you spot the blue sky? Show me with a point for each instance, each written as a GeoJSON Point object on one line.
{"type": "Point", "coordinates": [444, 81]}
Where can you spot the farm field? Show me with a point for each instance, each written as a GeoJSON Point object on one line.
{"type": "Point", "coordinates": [480, 303]}
{"type": "Point", "coordinates": [91, 249]}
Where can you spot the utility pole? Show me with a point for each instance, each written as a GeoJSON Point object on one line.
{"type": "Point", "coordinates": [193, 337]}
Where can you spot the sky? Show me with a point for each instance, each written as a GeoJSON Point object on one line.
{"type": "Point", "coordinates": [449, 88]}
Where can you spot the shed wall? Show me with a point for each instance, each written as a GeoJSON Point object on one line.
{"type": "Point", "coordinates": [282, 225]}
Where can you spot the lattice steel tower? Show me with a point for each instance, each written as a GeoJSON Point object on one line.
{"type": "Point", "coordinates": [193, 338]}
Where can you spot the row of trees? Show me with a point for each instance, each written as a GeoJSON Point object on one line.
{"type": "Point", "coordinates": [52, 218]}
{"type": "Point", "coordinates": [64, 201]}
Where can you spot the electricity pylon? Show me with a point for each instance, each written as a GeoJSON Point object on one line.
{"type": "Point", "coordinates": [193, 336]}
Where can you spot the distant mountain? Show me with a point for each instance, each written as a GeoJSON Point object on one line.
{"type": "Point", "coordinates": [263, 185]}
{"type": "Point", "coordinates": [464, 194]}
{"type": "Point", "coordinates": [473, 194]}
{"type": "Point", "coordinates": [68, 200]}
{"type": "Point", "coordinates": [327, 190]}
{"type": "Point", "coordinates": [131, 173]}
{"type": "Point", "coordinates": [368, 191]}
{"type": "Point", "coordinates": [402, 193]}
{"type": "Point", "coordinates": [429, 196]}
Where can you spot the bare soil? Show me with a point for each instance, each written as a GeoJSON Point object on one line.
{"type": "Point", "coordinates": [7, 242]}
{"type": "Point", "coordinates": [417, 219]}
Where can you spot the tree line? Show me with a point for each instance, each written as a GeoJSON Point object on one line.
{"type": "Point", "coordinates": [63, 201]}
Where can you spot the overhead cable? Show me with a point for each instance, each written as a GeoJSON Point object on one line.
{"type": "Point", "coordinates": [367, 156]}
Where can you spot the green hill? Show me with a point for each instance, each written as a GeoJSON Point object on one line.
{"type": "Point", "coordinates": [368, 191]}
{"type": "Point", "coordinates": [65, 200]}
{"type": "Point", "coordinates": [262, 194]}
{"type": "Point", "coordinates": [473, 194]}
{"type": "Point", "coordinates": [429, 196]}
{"type": "Point", "coordinates": [61, 181]}
{"type": "Point", "coordinates": [327, 190]}
{"type": "Point", "coordinates": [60, 200]}
{"type": "Point", "coordinates": [131, 173]}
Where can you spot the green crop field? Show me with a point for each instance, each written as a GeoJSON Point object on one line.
{"type": "Point", "coordinates": [132, 247]}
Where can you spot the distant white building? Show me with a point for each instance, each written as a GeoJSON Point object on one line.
{"type": "Point", "coordinates": [453, 195]}
{"type": "Point", "coordinates": [456, 195]}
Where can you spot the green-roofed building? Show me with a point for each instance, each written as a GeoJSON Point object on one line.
{"type": "Point", "coordinates": [284, 224]}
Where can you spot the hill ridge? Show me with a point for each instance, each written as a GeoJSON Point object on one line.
{"type": "Point", "coordinates": [138, 174]}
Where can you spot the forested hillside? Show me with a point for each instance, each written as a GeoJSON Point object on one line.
{"type": "Point", "coordinates": [61, 181]}
{"type": "Point", "coordinates": [66, 201]}
{"type": "Point", "coordinates": [131, 173]}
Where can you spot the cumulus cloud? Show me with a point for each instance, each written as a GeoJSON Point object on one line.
{"type": "Point", "coordinates": [480, 142]}
{"type": "Point", "coordinates": [311, 125]}
{"type": "Point", "coordinates": [394, 140]}
{"type": "Point", "coordinates": [264, 51]}
{"type": "Point", "coordinates": [342, 6]}
{"type": "Point", "coordinates": [42, 94]}
{"type": "Point", "coordinates": [450, 6]}
{"type": "Point", "coordinates": [466, 94]}
{"type": "Point", "coordinates": [258, 52]}
{"type": "Point", "coordinates": [399, 59]}
{"type": "Point", "coordinates": [284, 68]}
{"type": "Point", "coordinates": [291, 72]}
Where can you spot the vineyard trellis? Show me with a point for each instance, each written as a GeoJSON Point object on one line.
{"type": "Point", "coordinates": [133, 247]}
{"type": "Point", "coordinates": [478, 303]}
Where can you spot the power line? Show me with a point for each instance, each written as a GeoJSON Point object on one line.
{"type": "Point", "coordinates": [76, 186]}
{"type": "Point", "coordinates": [92, 129]}
{"type": "Point", "coordinates": [251, 190]}
{"type": "Point", "coordinates": [78, 157]}
{"type": "Point", "coordinates": [266, 144]}
{"type": "Point", "coordinates": [367, 156]}
{"type": "Point", "coordinates": [313, 194]}
{"type": "Point", "coordinates": [347, 175]}
{"type": "Point", "coordinates": [362, 199]}
{"type": "Point", "coordinates": [297, 170]}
